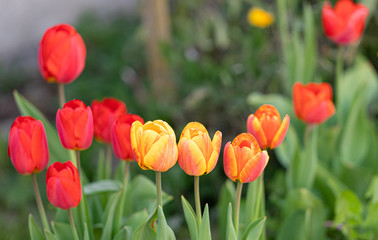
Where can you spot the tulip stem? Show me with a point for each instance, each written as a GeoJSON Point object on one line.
{"type": "Point", "coordinates": [38, 199]}
{"type": "Point", "coordinates": [339, 73]}
{"type": "Point", "coordinates": [119, 213]}
{"type": "Point", "coordinates": [197, 200]}
{"type": "Point", "coordinates": [108, 164]}
{"type": "Point", "coordinates": [78, 163]}
{"type": "Point", "coordinates": [62, 98]}
{"type": "Point", "coordinates": [76, 237]}
{"type": "Point", "coordinates": [158, 189]}
{"type": "Point", "coordinates": [237, 206]}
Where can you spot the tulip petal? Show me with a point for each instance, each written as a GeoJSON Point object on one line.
{"type": "Point", "coordinates": [190, 158]}
{"type": "Point", "coordinates": [162, 155]}
{"type": "Point", "coordinates": [254, 127]}
{"type": "Point", "coordinates": [217, 143]}
{"type": "Point", "coordinates": [281, 133]}
{"type": "Point", "coordinates": [229, 162]}
{"type": "Point", "coordinates": [320, 112]}
{"type": "Point", "coordinates": [255, 166]}
{"type": "Point", "coordinates": [63, 193]}
{"type": "Point", "coordinates": [135, 139]}
{"type": "Point", "coordinates": [20, 152]}
{"type": "Point", "coordinates": [330, 20]}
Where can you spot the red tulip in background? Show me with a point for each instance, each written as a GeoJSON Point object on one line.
{"type": "Point", "coordinates": [345, 23]}
{"type": "Point", "coordinates": [27, 145]}
{"type": "Point", "coordinates": [75, 125]}
{"type": "Point", "coordinates": [243, 159]}
{"type": "Point", "coordinates": [121, 136]}
{"type": "Point", "coordinates": [265, 125]}
{"type": "Point", "coordinates": [105, 112]}
{"type": "Point", "coordinates": [313, 102]}
{"type": "Point", "coordinates": [63, 186]}
{"type": "Point", "coordinates": [61, 54]}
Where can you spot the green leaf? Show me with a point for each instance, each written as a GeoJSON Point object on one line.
{"type": "Point", "coordinates": [56, 150]}
{"type": "Point", "coordinates": [309, 44]}
{"type": "Point", "coordinates": [348, 208]}
{"type": "Point", "coordinates": [136, 219]}
{"type": "Point", "coordinates": [164, 232]}
{"type": "Point", "coordinates": [204, 231]}
{"type": "Point", "coordinates": [125, 233]}
{"type": "Point", "coordinates": [34, 231]}
{"type": "Point", "coordinates": [109, 215]}
{"type": "Point", "coordinates": [230, 229]}
{"type": "Point", "coordinates": [255, 201]}
{"type": "Point", "coordinates": [86, 232]}
{"type": "Point", "coordinates": [287, 149]}
{"type": "Point", "coordinates": [147, 230]}
{"type": "Point", "coordinates": [101, 187]}
{"type": "Point", "coordinates": [372, 191]}
{"type": "Point", "coordinates": [227, 195]}
{"type": "Point", "coordinates": [100, 173]}
{"type": "Point", "coordinates": [50, 236]}
{"type": "Point", "coordinates": [190, 218]}
{"type": "Point", "coordinates": [62, 230]}
{"type": "Point", "coordinates": [254, 229]}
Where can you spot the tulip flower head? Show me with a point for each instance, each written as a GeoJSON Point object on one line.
{"type": "Point", "coordinates": [265, 125]}
{"type": "Point", "coordinates": [105, 112]}
{"type": "Point", "coordinates": [259, 18]}
{"type": "Point", "coordinates": [63, 185]}
{"type": "Point", "coordinates": [154, 145]}
{"type": "Point", "coordinates": [197, 153]}
{"type": "Point", "coordinates": [61, 54]}
{"type": "Point", "coordinates": [313, 102]}
{"type": "Point", "coordinates": [121, 136]}
{"type": "Point", "coordinates": [345, 23]}
{"type": "Point", "coordinates": [243, 159]}
{"type": "Point", "coordinates": [27, 145]}
{"type": "Point", "coordinates": [75, 125]}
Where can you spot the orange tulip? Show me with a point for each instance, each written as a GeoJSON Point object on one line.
{"type": "Point", "coordinates": [243, 159]}
{"type": "Point", "coordinates": [313, 102]}
{"type": "Point", "coordinates": [154, 145]}
{"type": "Point", "coordinates": [265, 125]}
{"type": "Point", "coordinates": [197, 154]}
{"type": "Point", "coordinates": [345, 23]}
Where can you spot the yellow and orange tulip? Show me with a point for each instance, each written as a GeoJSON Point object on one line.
{"type": "Point", "coordinates": [243, 159]}
{"type": "Point", "coordinates": [265, 125]}
{"type": "Point", "coordinates": [197, 153]}
{"type": "Point", "coordinates": [154, 145]}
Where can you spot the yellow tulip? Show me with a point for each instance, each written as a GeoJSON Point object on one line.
{"type": "Point", "coordinates": [260, 18]}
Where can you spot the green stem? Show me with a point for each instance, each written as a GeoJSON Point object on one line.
{"type": "Point", "coordinates": [237, 206]}
{"type": "Point", "coordinates": [119, 214]}
{"type": "Point", "coordinates": [76, 237]}
{"type": "Point", "coordinates": [339, 73]}
{"type": "Point", "coordinates": [197, 200]}
{"type": "Point", "coordinates": [108, 162]}
{"type": "Point", "coordinates": [38, 199]}
{"type": "Point", "coordinates": [62, 98]}
{"type": "Point", "coordinates": [307, 133]}
{"type": "Point", "coordinates": [158, 189]}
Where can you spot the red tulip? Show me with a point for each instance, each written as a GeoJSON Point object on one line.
{"type": "Point", "coordinates": [313, 102]}
{"type": "Point", "coordinates": [61, 54]}
{"type": "Point", "coordinates": [265, 125]}
{"type": "Point", "coordinates": [121, 136]}
{"type": "Point", "coordinates": [345, 23]}
{"type": "Point", "coordinates": [27, 145]}
{"type": "Point", "coordinates": [105, 112]}
{"type": "Point", "coordinates": [243, 159]}
{"type": "Point", "coordinates": [75, 125]}
{"type": "Point", "coordinates": [63, 186]}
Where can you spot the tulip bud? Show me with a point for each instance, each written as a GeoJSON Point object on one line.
{"type": "Point", "coordinates": [75, 125]}
{"type": "Point", "coordinates": [197, 154]}
{"type": "Point", "coordinates": [61, 54]}
{"type": "Point", "coordinates": [259, 18]}
{"type": "Point", "coordinates": [313, 102]}
{"type": "Point", "coordinates": [243, 159]}
{"type": "Point", "coordinates": [154, 145]}
{"type": "Point", "coordinates": [121, 136]}
{"type": "Point", "coordinates": [345, 23]}
{"type": "Point", "coordinates": [63, 186]}
{"type": "Point", "coordinates": [105, 112]}
{"type": "Point", "coordinates": [27, 145]}
{"type": "Point", "coordinates": [265, 125]}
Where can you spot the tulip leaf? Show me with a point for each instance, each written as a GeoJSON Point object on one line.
{"type": "Point", "coordinates": [50, 236]}
{"type": "Point", "coordinates": [190, 218]}
{"type": "Point", "coordinates": [63, 230]}
{"type": "Point", "coordinates": [164, 232]}
{"type": "Point", "coordinates": [286, 150]}
{"type": "Point", "coordinates": [254, 229]}
{"type": "Point", "coordinates": [56, 150]}
{"type": "Point", "coordinates": [230, 229]}
{"type": "Point", "coordinates": [147, 229]}
{"type": "Point", "coordinates": [204, 231]}
{"type": "Point", "coordinates": [109, 216]}
{"type": "Point", "coordinates": [34, 231]}
{"type": "Point", "coordinates": [255, 201]}
{"type": "Point", "coordinates": [101, 187]}
{"type": "Point", "coordinates": [226, 197]}
{"type": "Point", "coordinates": [86, 232]}
{"type": "Point", "coordinates": [136, 219]}
{"type": "Point", "coordinates": [125, 233]}
{"type": "Point", "coordinates": [309, 44]}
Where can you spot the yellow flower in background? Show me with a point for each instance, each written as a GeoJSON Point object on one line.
{"type": "Point", "coordinates": [259, 18]}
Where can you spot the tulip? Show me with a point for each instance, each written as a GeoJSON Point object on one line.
{"type": "Point", "coordinates": [63, 186]}
{"type": "Point", "coordinates": [121, 136]}
{"type": "Point", "coordinates": [265, 125]}
{"type": "Point", "coordinates": [27, 145]}
{"type": "Point", "coordinates": [243, 159]}
{"type": "Point", "coordinates": [154, 145]}
{"type": "Point", "coordinates": [259, 18]}
{"type": "Point", "coordinates": [105, 112]}
{"type": "Point", "coordinates": [197, 153]}
{"type": "Point", "coordinates": [345, 23]}
{"type": "Point", "coordinates": [75, 125]}
{"type": "Point", "coordinates": [313, 102]}
{"type": "Point", "coordinates": [61, 54]}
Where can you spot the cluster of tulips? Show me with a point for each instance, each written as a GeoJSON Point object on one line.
{"type": "Point", "coordinates": [153, 144]}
